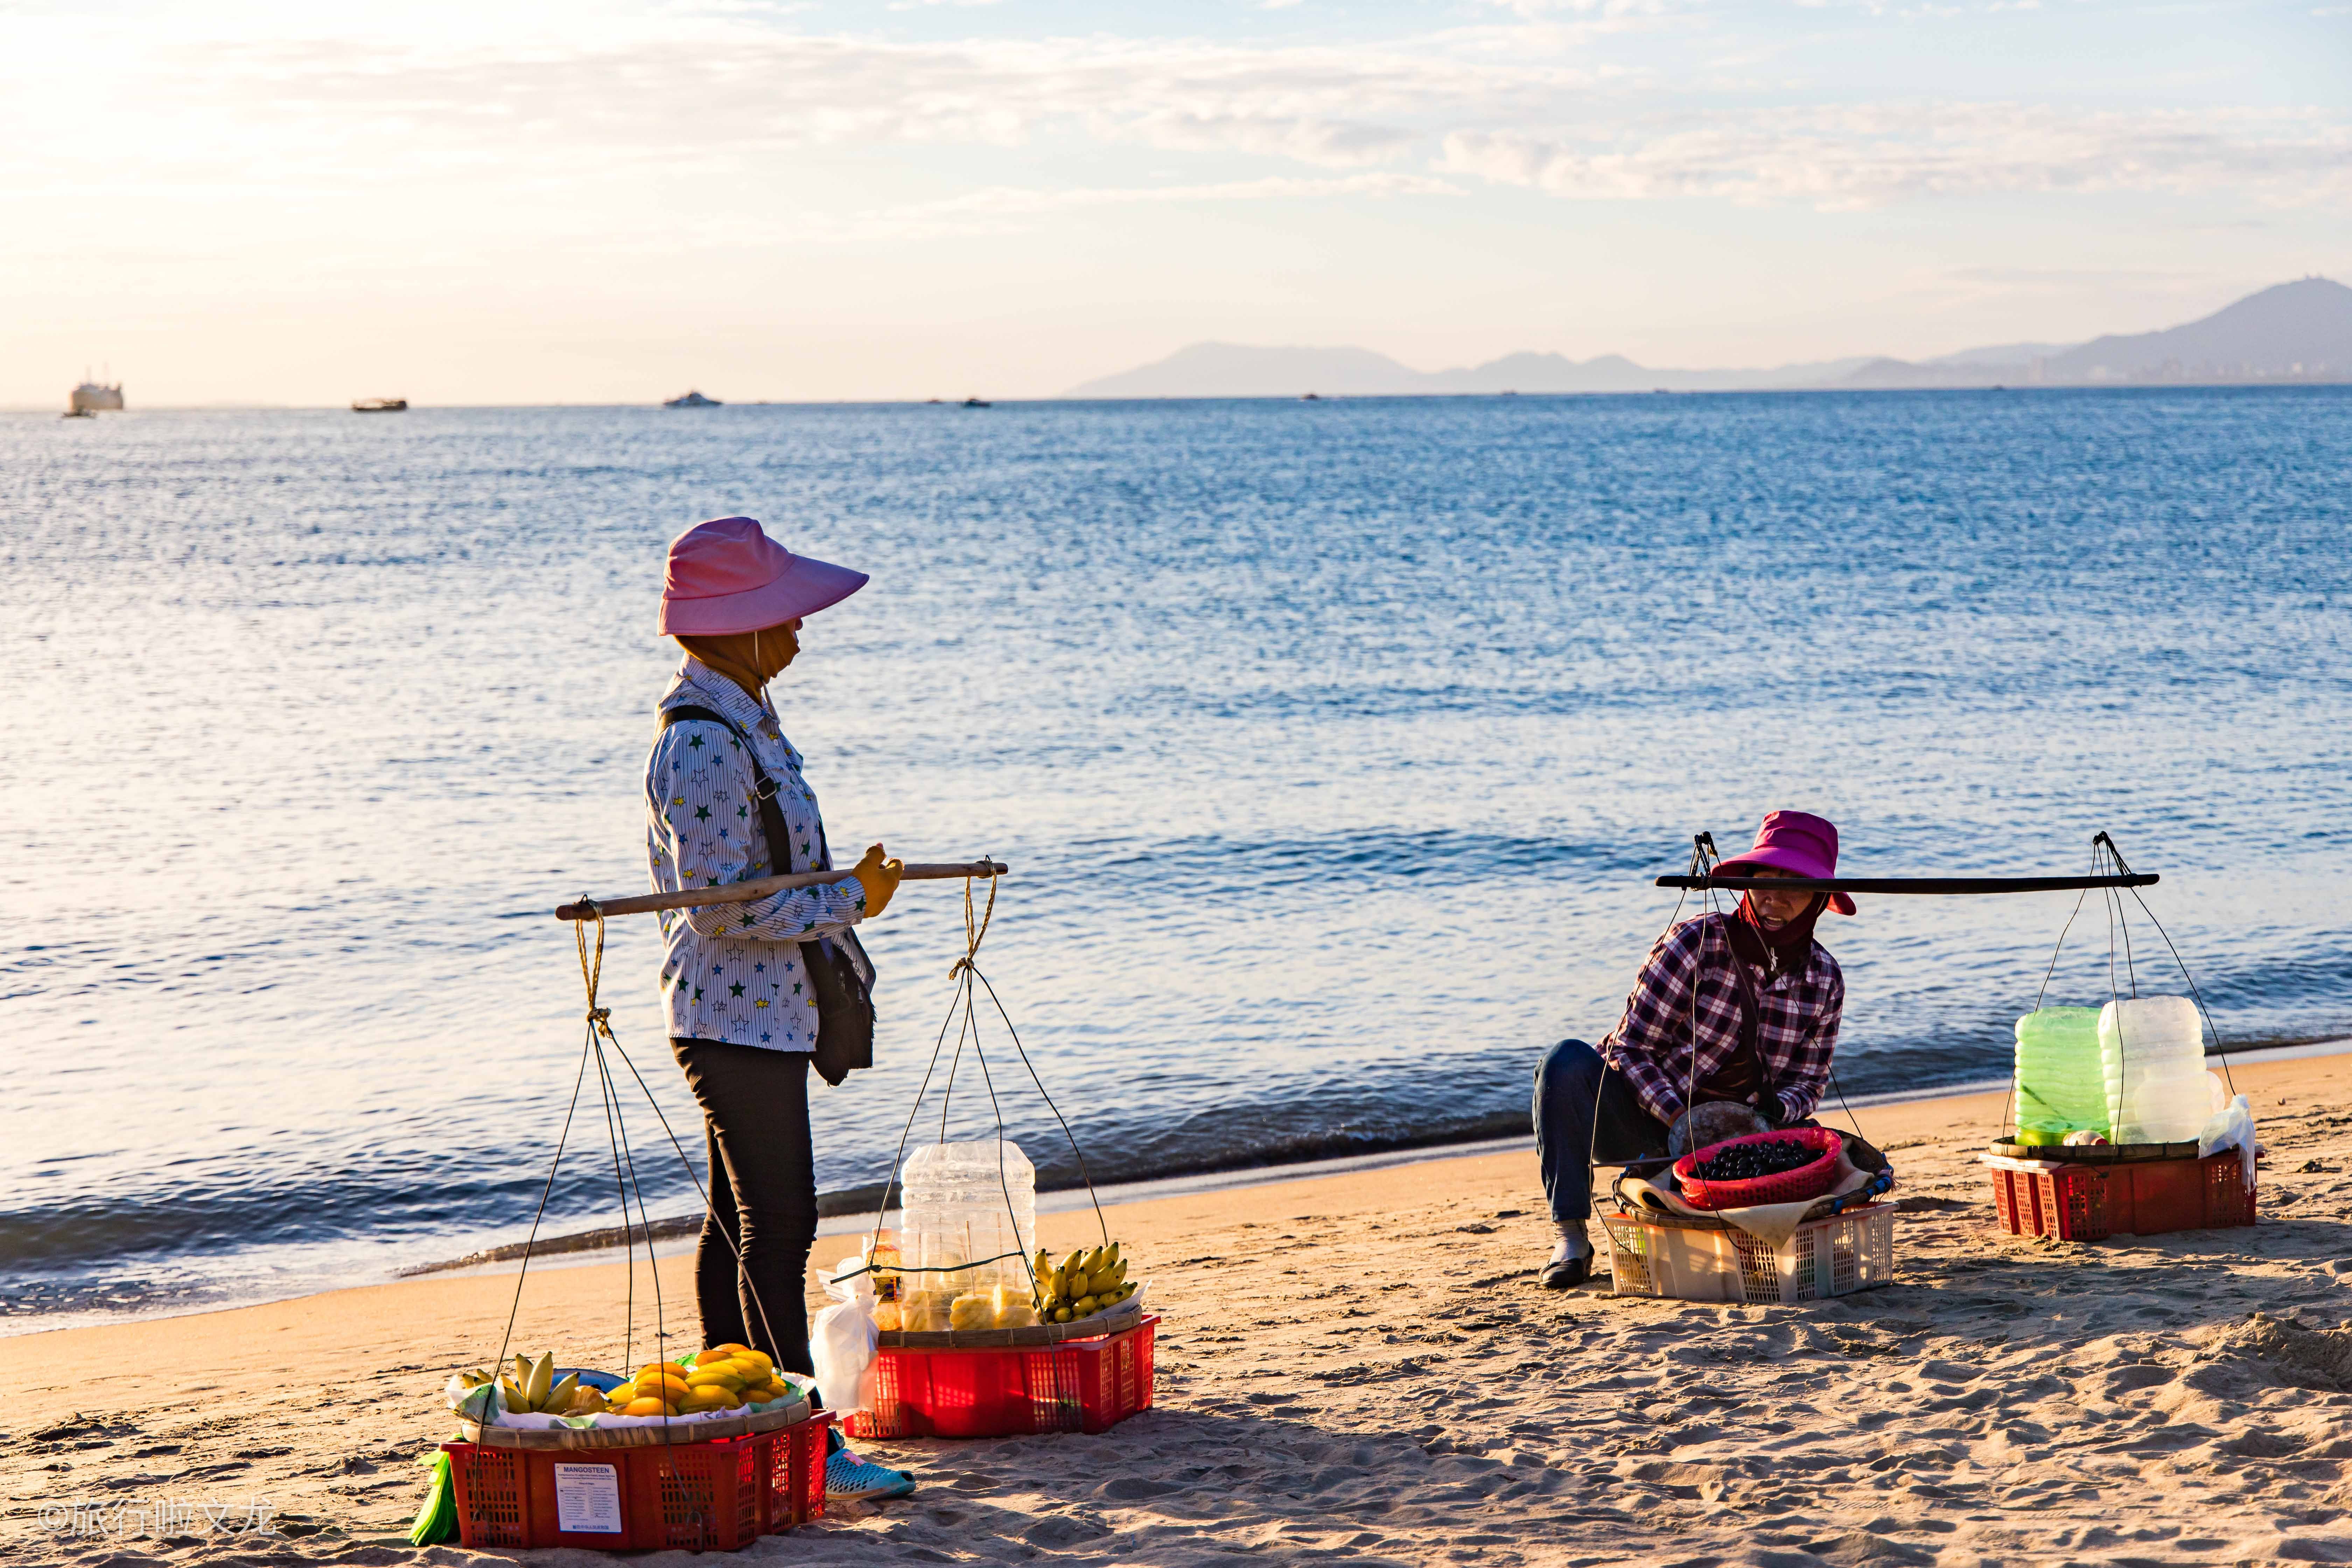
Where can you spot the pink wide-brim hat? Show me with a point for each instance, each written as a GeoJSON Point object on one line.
{"type": "Point", "coordinates": [726, 576]}
{"type": "Point", "coordinates": [1793, 841]}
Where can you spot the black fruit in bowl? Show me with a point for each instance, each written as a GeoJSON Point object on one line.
{"type": "Point", "coordinates": [1748, 1161]}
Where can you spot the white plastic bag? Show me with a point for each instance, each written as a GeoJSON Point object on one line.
{"type": "Point", "coordinates": [2233, 1128]}
{"type": "Point", "coordinates": [842, 1343]}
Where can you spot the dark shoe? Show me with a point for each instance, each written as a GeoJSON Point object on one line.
{"type": "Point", "coordinates": [1572, 1261]}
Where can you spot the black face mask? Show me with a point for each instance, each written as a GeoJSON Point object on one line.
{"type": "Point", "coordinates": [1776, 952]}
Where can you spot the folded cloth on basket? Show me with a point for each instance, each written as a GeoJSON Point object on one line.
{"type": "Point", "coordinates": [1773, 1223]}
{"type": "Point", "coordinates": [1644, 1194]}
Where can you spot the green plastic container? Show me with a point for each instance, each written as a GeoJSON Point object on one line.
{"type": "Point", "coordinates": [2061, 1086]}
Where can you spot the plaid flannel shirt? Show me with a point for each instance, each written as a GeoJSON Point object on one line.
{"type": "Point", "coordinates": [1652, 1044]}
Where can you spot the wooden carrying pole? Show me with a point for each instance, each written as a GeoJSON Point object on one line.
{"type": "Point", "coordinates": [751, 892]}
{"type": "Point", "coordinates": [1915, 884]}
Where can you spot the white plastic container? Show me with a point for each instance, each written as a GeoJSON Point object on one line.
{"type": "Point", "coordinates": [965, 1203]}
{"type": "Point", "coordinates": [2152, 1054]}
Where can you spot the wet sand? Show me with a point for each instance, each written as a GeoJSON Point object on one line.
{"type": "Point", "coordinates": [1361, 1367]}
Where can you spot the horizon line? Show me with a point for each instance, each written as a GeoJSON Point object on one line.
{"type": "Point", "coordinates": [2266, 383]}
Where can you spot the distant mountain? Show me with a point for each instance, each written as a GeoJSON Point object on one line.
{"type": "Point", "coordinates": [2294, 332]}
{"type": "Point", "coordinates": [2301, 329]}
{"type": "Point", "coordinates": [1615, 373]}
{"type": "Point", "coordinates": [1545, 373]}
{"type": "Point", "coordinates": [1234, 369]}
{"type": "Point", "coordinates": [1237, 370]}
{"type": "Point", "coordinates": [2002, 353]}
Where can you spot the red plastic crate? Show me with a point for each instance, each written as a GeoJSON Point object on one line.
{"type": "Point", "coordinates": [717, 1495]}
{"type": "Point", "coordinates": [2148, 1197]}
{"type": "Point", "coordinates": [1079, 1385]}
{"type": "Point", "coordinates": [790, 1471]}
{"type": "Point", "coordinates": [2130, 1198]}
{"type": "Point", "coordinates": [2070, 1204]}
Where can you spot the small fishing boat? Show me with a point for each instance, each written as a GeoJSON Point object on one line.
{"type": "Point", "coordinates": [977, 403]}
{"type": "Point", "coordinates": [381, 405]}
{"type": "Point", "coordinates": [1310, 398]}
{"type": "Point", "coordinates": [693, 400]}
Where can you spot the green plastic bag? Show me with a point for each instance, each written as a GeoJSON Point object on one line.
{"type": "Point", "coordinates": [436, 1521]}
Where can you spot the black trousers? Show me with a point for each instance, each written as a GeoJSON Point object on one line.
{"type": "Point", "coordinates": [1584, 1111]}
{"type": "Point", "coordinates": [762, 1196]}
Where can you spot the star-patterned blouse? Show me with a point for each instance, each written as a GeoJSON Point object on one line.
{"type": "Point", "coordinates": [733, 971]}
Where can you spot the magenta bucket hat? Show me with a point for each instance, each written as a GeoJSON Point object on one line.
{"type": "Point", "coordinates": [1796, 842]}
{"type": "Point", "coordinates": [726, 576]}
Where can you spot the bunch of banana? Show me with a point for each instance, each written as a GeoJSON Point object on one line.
{"type": "Point", "coordinates": [533, 1388]}
{"type": "Point", "coordinates": [724, 1377]}
{"type": "Point", "coordinates": [1081, 1285]}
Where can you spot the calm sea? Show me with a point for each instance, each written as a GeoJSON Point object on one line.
{"type": "Point", "coordinates": [1334, 746]}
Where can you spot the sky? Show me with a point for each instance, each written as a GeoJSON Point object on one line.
{"type": "Point", "coordinates": [610, 201]}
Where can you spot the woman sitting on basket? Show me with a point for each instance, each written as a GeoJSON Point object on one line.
{"type": "Point", "coordinates": [1729, 1030]}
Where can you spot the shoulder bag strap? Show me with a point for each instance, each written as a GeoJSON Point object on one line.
{"type": "Point", "coordinates": [763, 788]}
{"type": "Point", "coordinates": [841, 984]}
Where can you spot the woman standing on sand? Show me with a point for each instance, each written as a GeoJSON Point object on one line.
{"type": "Point", "coordinates": [755, 992]}
{"type": "Point", "coordinates": [1738, 1014]}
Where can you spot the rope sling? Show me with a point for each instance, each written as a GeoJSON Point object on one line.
{"type": "Point", "coordinates": [597, 1039]}
{"type": "Point", "coordinates": [2113, 878]}
{"type": "Point", "coordinates": [963, 1006]}
{"type": "Point", "coordinates": [600, 1046]}
{"type": "Point", "coordinates": [2110, 876]}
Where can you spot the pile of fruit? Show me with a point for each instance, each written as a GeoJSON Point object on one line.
{"type": "Point", "coordinates": [964, 1312]}
{"type": "Point", "coordinates": [531, 1388]}
{"type": "Point", "coordinates": [1747, 1161]}
{"type": "Point", "coordinates": [724, 1377]}
{"type": "Point", "coordinates": [1082, 1285]}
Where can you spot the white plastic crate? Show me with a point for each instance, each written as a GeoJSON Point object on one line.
{"type": "Point", "coordinates": [1832, 1257]}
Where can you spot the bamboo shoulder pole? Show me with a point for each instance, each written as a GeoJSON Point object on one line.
{"type": "Point", "coordinates": [1928, 884]}
{"type": "Point", "coordinates": [751, 892]}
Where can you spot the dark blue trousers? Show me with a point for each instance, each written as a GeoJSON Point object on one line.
{"type": "Point", "coordinates": [1585, 1112]}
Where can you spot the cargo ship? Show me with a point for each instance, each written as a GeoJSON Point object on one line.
{"type": "Point", "coordinates": [93, 397]}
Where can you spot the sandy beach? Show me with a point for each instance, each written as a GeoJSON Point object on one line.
{"type": "Point", "coordinates": [1361, 1367]}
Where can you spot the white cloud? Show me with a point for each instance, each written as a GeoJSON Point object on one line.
{"type": "Point", "coordinates": [340, 110]}
{"type": "Point", "coordinates": [998, 209]}
{"type": "Point", "coordinates": [1866, 155]}
{"type": "Point", "coordinates": [717, 93]}
{"type": "Point", "coordinates": [1607, 9]}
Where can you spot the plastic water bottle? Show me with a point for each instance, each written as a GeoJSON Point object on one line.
{"type": "Point", "coordinates": [2061, 1085]}
{"type": "Point", "coordinates": [2152, 1054]}
{"type": "Point", "coordinates": [958, 1212]}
